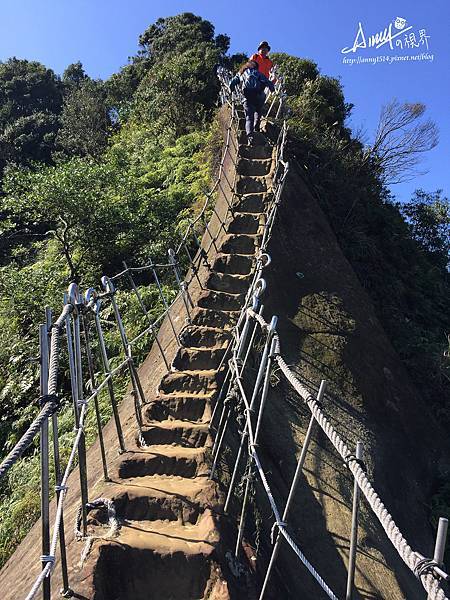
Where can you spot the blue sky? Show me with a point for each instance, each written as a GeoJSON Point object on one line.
{"type": "Point", "coordinates": [103, 33]}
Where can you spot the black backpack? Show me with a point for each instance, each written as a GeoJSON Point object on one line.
{"type": "Point", "coordinates": [251, 81]}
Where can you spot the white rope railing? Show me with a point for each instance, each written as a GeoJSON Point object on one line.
{"type": "Point", "coordinates": [429, 572]}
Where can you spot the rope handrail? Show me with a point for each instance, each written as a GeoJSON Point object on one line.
{"type": "Point", "coordinates": [50, 401]}
{"type": "Point", "coordinates": [78, 312]}
{"type": "Point", "coordinates": [427, 571]}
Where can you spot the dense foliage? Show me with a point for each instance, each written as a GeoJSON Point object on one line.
{"type": "Point", "coordinates": [400, 251]}
{"type": "Point", "coordinates": [98, 172]}
{"type": "Point", "coordinates": [126, 163]}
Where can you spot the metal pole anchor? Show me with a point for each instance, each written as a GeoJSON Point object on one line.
{"type": "Point", "coordinates": [354, 532]}
{"type": "Point", "coordinates": [181, 284]}
{"type": "Point", "coordinates": [57, 462]}
{"type": "Point", "coordinates": [439, 547]}
{"type": "Point", "coordinates": [90, 361]}
{"type": "Point", "coordinates": [44, 457]}
{"type": "Point", "coordinates": [261, 370]}
{"type": "Point", "coordinates": [294, 484]}
{"type": "Point", "coordinates": [91, 296]}
{"type": "Point", "coordinates": [76, 363]}
{"type": "Point", "coordinates": [138, 393]}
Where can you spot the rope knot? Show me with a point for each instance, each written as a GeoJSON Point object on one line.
{"type": "Point", "coordinates": [425, 566]}
{"type": "Point", "coordinates": [352, 458]}
{"type": "Point", "coordinates": [276, 525]}
{"type": "Point", "coordinates": [48, 398]}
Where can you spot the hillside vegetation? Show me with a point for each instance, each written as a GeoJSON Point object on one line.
{"type": "Point", "coordinates": [94, 173]}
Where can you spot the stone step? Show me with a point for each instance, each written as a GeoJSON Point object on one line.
{"type": "Point", "coordinates": [238, 244]}
{"type": "Point", "coordinates": [182, 433]}
{"type": "Point", "coordinates": [245, 224]}
{"type": "Point", "coordinates": [159, 497]}
{"type": "Point", "coordinates": [205, 317]}
{"type": "Point", "coordinates": [221, 301]}
{"type": "Point", "coordinates": [253, 166]}
{"type": "Point", "coordinates": [164, 460]}
{"type": "Point", "coordinates": [188, 382]}
{"type": "Point", "coordinates": [161, 560]}
{"type": "Point", "coordinates": [197, 358]}
{"type": "Point", "coordinates": [229, 283]}
{"type": "Point", "coordinates": [204, 337]}
{"type": "Point", "coordinates": [251, 203]}
{"type": "Point", "coordinates": [255, 152]}
{"type": "Point", "coordinates": [180, 408]}
{"type": "Point", "coordinates": [233, 264]}
{"type": "Point", "coordinates": [251, 185]}
{"type": "Point", "coordinates": [259, 139]}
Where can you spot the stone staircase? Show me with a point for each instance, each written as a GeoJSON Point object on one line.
{"type": "Point", "coordinates": [169, 546]}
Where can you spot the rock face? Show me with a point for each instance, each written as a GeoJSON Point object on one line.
{"type": "Point", "coordinates": [173, 538]}
{"type": "Point", "coordinates": [329, 330]}
{"type": "Point", "coordinates": [169, 544]}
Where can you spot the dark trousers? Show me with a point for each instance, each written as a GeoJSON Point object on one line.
{"type": "Point", "coordinates": [253, 104]}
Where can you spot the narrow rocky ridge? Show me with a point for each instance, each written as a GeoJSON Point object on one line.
{"type": "Point", "coordinates": [169, 543]}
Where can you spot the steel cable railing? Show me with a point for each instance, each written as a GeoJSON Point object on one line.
{"type": "Point", "coordinates": [81, 324]}
{"type": "Point", "coordinates": [430, 572]}
{"type": "Point", "coordinates": [83, 315]}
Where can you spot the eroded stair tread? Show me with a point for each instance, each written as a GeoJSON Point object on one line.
{"type": "Point", "coordinates": [163, 492]}
{"type": "Point", "coordinates": [239, 244]}
{"type": "Point", "coordinates": [230, 283]}
{"type": "Point", "coordinates": [198, 358]}
{"type": "Point", "coordinates": [164, 460]}
{"type": "Point", "coordinates": [162, 498]}
{"type": "Point", "coordinates": [169, 536]}
{"type": "Point", "coordinates": [182, 408]}
{"type": "Point", "coordinates": [192, 382]}
{"type": "Point", "coordinates": [175, 432]}
{"type": "Point", "coordinates": [250, 185]}
{"type": "Point", "coordinates": [254, 166]}
{"type": "Point", "coordinates": [202, 336]}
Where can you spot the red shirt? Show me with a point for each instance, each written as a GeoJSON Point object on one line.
{"type": "Point", "coordinates": [264, 63]}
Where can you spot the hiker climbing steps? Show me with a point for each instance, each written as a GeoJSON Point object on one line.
{"type": "Point", "coordinates": [168, 542]}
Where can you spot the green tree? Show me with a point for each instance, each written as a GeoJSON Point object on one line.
{"type": "Point", "coordinates": [74, 75]}
{"type": "Point", "coordinates": [27, 87]}
{"type": "Point", "coordinates": [85, 121]}
{"type": "Point", "coordinates": [178, 34]}
{"type": "Point", "coordinates": [30, 100]}
{"type": "Point", "coordinates": [29, 138]}
{"type": "Point", "coordinates": [428, 215]}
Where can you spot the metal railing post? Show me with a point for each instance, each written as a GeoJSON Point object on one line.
{"type": "Point", "coordinates": [107, 372]}
{"type": "Point", "coordinates": [164, 301]}
{"type": "Point", "coordinates": [265, 389]}
{"type": "Point", "coordinates": [66, 591]}
{"type": "Point", "coordinates": [90, 362]}
{"type": "Point", "coordinates": [261, 370]}
{"type": "Point", "coordinates": [74, 299]}
{"type": "Point", "coordinates": [44, 457]}
{"type": "Point", "coordinates": [244, 509]}
{"type": "Point", "coordinates": [181, 284]}
{"type": "Point", "coordinates": [138, 393]}
{"type": "Point", "coordinates": [293, 488]}
{"type": "Point", "coordinates": [354, 532]}
{"type": "Point", "coordinates": [439, 547]}
{"type": "Point", "coordinates": [145, 311]}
